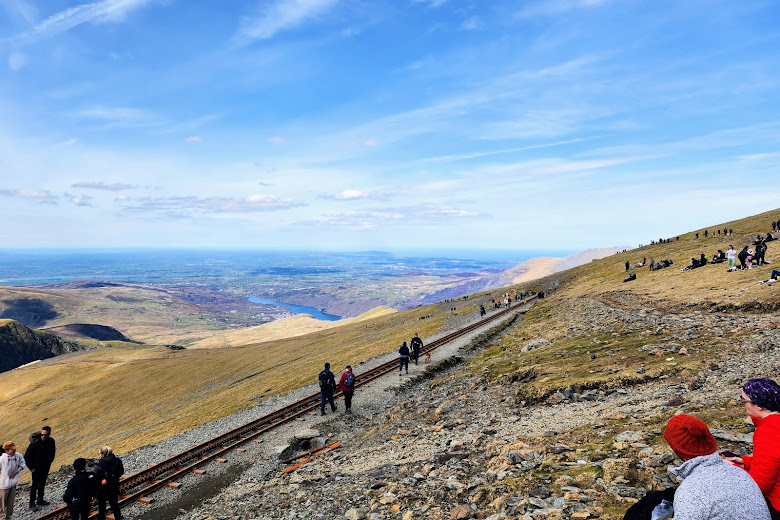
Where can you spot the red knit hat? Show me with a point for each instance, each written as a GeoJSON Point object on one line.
{"type": "Point", "coordinates": [689, 437]}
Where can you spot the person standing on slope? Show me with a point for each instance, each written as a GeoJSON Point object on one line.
{"type": "Point", "coordinates": [39, 456]}
{"type": "Point", "coordinates": [416, 344]}
{"type": "Point", "coordinates": [347, 387]}
{"type": "Point", "coordinates": [403, 359]}
{"type": "Point", "coordinates": [11, 466]}
{"type": "Point", "coordinates": [80, 491]}
{"type": "Point", "coordinates": [327, 386]}
{"type": "Point", "coordinates": [108, 472]}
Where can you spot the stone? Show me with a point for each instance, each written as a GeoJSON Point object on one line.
{"type": "Point", "coordinates": [614, 469]}
{"type": "Point", "coordinates": [461, 512]}
{"type": "Point", "coordinates": [355, 514]}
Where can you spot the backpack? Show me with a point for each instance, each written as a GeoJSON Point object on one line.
{"type": "Point", "coordinates": [324, 379]}
{"type": "Point", "coordinates": [349, 382]}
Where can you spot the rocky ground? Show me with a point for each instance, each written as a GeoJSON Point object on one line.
{"type": "Point", "coordinates": [443, 443]}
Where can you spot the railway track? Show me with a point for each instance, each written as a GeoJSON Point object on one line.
{"type": "Point", "coordinates": [138, 486]}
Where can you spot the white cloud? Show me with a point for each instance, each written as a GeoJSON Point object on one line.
{"type": "Point", "coordinates": [27, 194]}
{"type": "Point", "coordinates": [194, 139]}
{"type": "Point", "coordinates": [555, 7]}
{"type": "Point", "coordinates": [80, 200]}
{"type": "Point", "coordinates": [118, 116]}
{"type": "Point", "coordinates": [277, 140]}
{"type": "Point", "coordinates": [104, 11]}
{"type": "Point", "coordinates": [189, 206]}
{"type": "Point", "coordinates": [472, 23]}
{"type": "Point", "coordinates": [412, 215]}
{"type": "Point", "coordinates": [280, 15]}
{"type": "Point", "coordinates": [370, 143]}
{"type": "Point", "coordinates": [117, 186]}
{"type": "Point", "coordinates": [351, 195]}
{"type": "Point", "coordinates": [432, 3]}
{"type": "Point", "coordinates": [17, 60]}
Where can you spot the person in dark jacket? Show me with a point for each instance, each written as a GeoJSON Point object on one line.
{"type": "Point", "coordinates": [79, 491]}
{"type": "Point", "coordinates": [108, 471]}
{"type": "Point", "coordinates": [327, 386]}
{"type": "Point", "coordinates": [742, 256]}
{"type": "Point", "coordinates": [416, 344]}
{"type": "Point", "coordinates": [403, 359]}
{"type": "Point", "coordinates": [38, 457]}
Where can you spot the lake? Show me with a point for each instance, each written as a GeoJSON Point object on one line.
{"type": "Point", "coordinates": [297, 309]}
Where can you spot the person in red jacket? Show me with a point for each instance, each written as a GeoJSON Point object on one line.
{"type": "Point", "coordinates": [347, 387]}
{"type": "Point", "coordinates": [762, 402]}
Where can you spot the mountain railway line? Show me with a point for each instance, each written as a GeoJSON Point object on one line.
{"type": "Point", "coordinates": [137, 487]}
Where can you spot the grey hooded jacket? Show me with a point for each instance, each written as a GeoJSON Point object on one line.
{"type": "Point", "coordinates": [713, 489]}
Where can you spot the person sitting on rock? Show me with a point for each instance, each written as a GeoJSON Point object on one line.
{"type": "Point", "coordinates": [761, 398]}
{"type": "Point", "coordinates": [712, 489]}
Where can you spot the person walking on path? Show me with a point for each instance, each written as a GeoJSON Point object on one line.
{"type": "Point", "coordinates": [403, 359]}
{"type": "Point", "coordinates": [327, 386]}
{"type": "Point", "coordinates": [80, 491]}
{"type": "Point", "coordinates": [11, 466]}
{"type": "Point", "coordinates": [347, 387]}
{"type": "Point", "coordinates": [712, 489]}
{"type": "Point", "coordinates": [416, 344]}
{"type": "Point", "coordinates": [761, 398]}
{"type": "Point", "coordinates": [108, 471]}
{"type": "Point", "coordinates": [39, 456]}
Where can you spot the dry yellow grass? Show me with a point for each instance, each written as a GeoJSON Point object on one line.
{"type": "Point", "coordinates": [291, 327]}
{"type": "Point", "coordinates": [134, 395]}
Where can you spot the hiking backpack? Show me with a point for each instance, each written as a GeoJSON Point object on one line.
{"type": "Point", "coordinates": [349, 382]}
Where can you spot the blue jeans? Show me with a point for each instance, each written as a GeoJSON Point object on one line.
{"type": "Point", "coordinates": [326, 394]}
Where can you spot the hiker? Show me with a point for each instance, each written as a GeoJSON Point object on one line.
{"type": "Point", "coordinates": [731, 256]}
{"type": "Point", "coordinates": [39, 456]}
{"type": "Point", "coordinates": [761, 398]}
{"type": "Point", "coordinates": [327, 386]}
{"type": "Point", "coordinates": [703, 260]}
{"type": "Point", "coordinates": [742, 256]}
{"type": "Point", "coordinates": [11, 466]}
{"type": "Point", "coordinates": [347, 387]}
{"type": "Point", "coordinates": [628, 265]}
{"type": "Point", "coordinates": [416, 345]}
{"type": "Point", "coordinates": [630, 278]}
{"type": "Point", "coordinates": [403, 358]}
{"type": "Point", "coordinates": [108, 471]}
{"type": "Point", "coordinates": [80, 490]}
{"type": "Point", "coordinates": [760, 252]}
{"type": "Point", "coordinates": [712, 489]}
{"type": "Point", "coordinates": [481, 310]}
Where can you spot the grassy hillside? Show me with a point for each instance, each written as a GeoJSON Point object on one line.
{"type": "Point", "coordinates": [132, 395]}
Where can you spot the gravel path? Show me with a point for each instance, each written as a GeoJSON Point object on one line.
{"type": "Point", "coordinates": [260, 457]}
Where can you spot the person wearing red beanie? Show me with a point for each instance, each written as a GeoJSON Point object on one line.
{"type": "Point", "coordinates": [712, 489]}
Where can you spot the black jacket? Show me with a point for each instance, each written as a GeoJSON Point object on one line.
{"type": "Point", "coordinates": [80, 490]}
{"type": "Point", "coordinates": [40, 453]}
{"type": "Point", "coordinates": [111, 469]}
{"type": "Point", "coordinates": [416, 344]}
{"type": "Point", "coordinates": [404, 351]}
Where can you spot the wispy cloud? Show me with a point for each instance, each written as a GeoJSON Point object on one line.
{"type": "Point", "coordinates": [472, 23]}
{"type": "Point", "coordinates": [432, 3]}
{"type": "Point", "coordinates": [349, 195]}
{"type": "Point", "coordinates": [556, 7]}
{"type": "Point", "coordinates": [103, 186]}
{"type": "Point", "coordinates": [194, 139]}
{"type": "Point", "coordinates": [17, 60]}
{"type": "Point", "coordinates": [277, 140]}
{"type": "Point", "coordinates": [20, 8]}
{"type": "Point", "coordinates": [476, 155]}
{"type": "Point", "coordinates": [373, 219]}
{"type": "Point", "coordinates": [99, 12]}
{"type": "Point", "coordinates": [188, 206]}
{"type": "Point", "coordinates": [279, 15]}
{"type": "Point", "coordinates": [27, 194]}
{"type": "Point", "coordinates": [80, 200]}
{"type": "Point", "coordinates": [118, 116]}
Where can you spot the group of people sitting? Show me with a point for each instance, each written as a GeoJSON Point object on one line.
{"type": "Point", "coordinates": [660, 264]}
{"type": "Point", "coordinates": [696, 263]}
{"type": "Point", "coordinates": [722, 485]}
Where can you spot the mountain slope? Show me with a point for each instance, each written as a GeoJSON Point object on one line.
{"type": "Point", "coordinates": [20, 345]}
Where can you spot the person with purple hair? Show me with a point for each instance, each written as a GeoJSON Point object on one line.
{"type": "Point", "coordinates": [761, 398]}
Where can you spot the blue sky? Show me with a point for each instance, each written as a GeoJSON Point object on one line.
{"type": "Point", "coordinates": [351, 124]}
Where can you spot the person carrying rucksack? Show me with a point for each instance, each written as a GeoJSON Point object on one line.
{"type": "Point", "coordinates": [416, 345]}
{"type": "Point", "coordinates": [403, 359]}
{"type": "Point", "coordinates": [347, 387]}
{"type": "Point", "coordinates": [327, 386]}
{"type": "Point", "coordinates": [39, 457]}
{"type": "Point", "coordinates": [80, 491]}
{"type": "Point", "coordinates": [108, 471]}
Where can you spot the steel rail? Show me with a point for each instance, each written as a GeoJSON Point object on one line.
{"type": "Point", "coordinates": [160, 474]}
